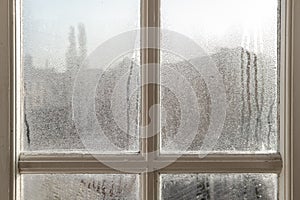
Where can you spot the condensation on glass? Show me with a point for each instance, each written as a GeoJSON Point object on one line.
{"type": "Point", "coordinates": [240, 38]}
{"type": "Point", "coordinates": [57, 36]}
{"type": "Point", "coordinates": [219, 186]}
{"type": "Point", "coordinates": [81, 187]}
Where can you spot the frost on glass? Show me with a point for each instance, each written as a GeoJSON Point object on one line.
{"type": "Point", "coordinates": [219, 186]}
{"type": "Point", "coordinates": [81, 187]}
{"type": "Point", "coordinates": [117, 103]}
{"type": "Point", "coordinates": [240, 38]}
{"type": "Point", "coordinates": [57, 38]}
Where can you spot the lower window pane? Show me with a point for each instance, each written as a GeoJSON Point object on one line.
{"type": "Point", "coordinates": [85, 186]}
{"type": "Point", "coordinates": [219, 186]}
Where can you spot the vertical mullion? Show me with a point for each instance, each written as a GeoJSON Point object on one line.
{"type": "Point", "coordinates": [295, 63]}
{"type": "Point", "coordinates": [150, 17]}
{"type": "Point", "coordinates": [150, 72]}
{"type": "Point", "coordinates": [7, 152]}
{"type": "Point", "coordinates": [285, 179]}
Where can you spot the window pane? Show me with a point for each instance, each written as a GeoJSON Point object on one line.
{"type": "Point", "coordinates": [59, 37]}
{"type": "Point", "coordinates": [58, 186]}
{"type": "Point", "coordinates": [219, 186]}
{"type": "Point", "coordinates": [237, 38]}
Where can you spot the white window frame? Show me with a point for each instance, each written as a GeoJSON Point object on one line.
{"type": "Point", "coordinates": [11, 165]}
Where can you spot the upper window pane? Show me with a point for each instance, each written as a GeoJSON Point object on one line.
{"type": "Point", "coordinates": [233, 77]}
{"type": "Point", "coordinates": [58, 38]}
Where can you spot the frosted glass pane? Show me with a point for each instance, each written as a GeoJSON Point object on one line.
{"type": "Point", "coordinates": [58, 37]}
{"type": "Point", "coordinates": [219, 186]}
{"type": "Point", "coordinates": [81, 187]}
{"type": "Point", "coordinates": [239, 39]}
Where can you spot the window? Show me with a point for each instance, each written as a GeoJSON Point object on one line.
{"type": "Point", "coordinates": [201, 111]}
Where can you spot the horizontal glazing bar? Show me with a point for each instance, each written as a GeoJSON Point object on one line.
{"type": "Point", "coordinates": [82, 163]}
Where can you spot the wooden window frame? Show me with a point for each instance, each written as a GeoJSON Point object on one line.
{"type": "Point", "coordinates": [12, 164]}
